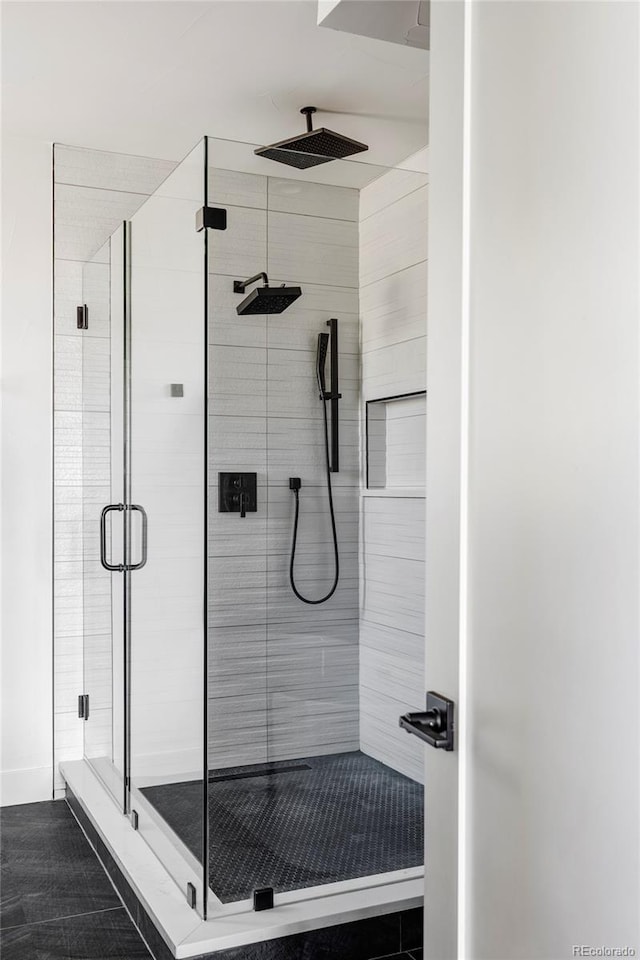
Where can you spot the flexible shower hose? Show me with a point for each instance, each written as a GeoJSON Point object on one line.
{"type": "Point", "coordinates": [296, 491]}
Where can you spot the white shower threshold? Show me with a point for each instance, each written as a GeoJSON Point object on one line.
{"type": "Point", "coordinates": [182, 929]}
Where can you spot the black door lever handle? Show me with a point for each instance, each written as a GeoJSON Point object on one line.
{"type": "Point", "coordinates": [433, 725]}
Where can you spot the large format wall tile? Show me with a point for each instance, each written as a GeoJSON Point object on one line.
{"type": "Point", "coordinates": [393, 277]}
{"type": "Point", "coordinates": [109, 171]}
{"type": "Point", "coordinates": [313, 249]}
{"type": "Point", "coordinates": [388, 189]}
{"type": "Point", "coordinates": [394, 308]}
{"type": "Point", "coordinates": [237, 660]}
{"type": "Point", "coordinates": [382, 738]}
{"type": "Point", "coordinates": [240, 251]}
{"type": "Point", "coordinates": [394, 238]}
{"type": "Point", "coordinates": [232, 188]}
{"type": "Point", "coordinates": [313, 199]}
{"type": "Point", "coordinates": [85, 218]}
{"type": "Point", "coordinates": [395, 370]}
{"type": "Point", "coordinates": [296, 448]}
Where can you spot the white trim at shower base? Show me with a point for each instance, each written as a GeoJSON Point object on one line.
{"type": "Point", "coordinates": [185, 933]}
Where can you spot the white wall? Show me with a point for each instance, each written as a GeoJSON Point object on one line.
{"type": "Point", "coordinates": [26, 684]}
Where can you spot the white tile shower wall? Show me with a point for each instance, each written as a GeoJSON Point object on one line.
{"type": "Point", "coordinates": [393, 302]}
{"type": "Point", "coordinates": [93, 192]}
{"type": "Point", "coordinates": [283, 676]}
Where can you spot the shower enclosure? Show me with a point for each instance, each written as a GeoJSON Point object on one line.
{"type": "Point", "coordinates": [222, 711]}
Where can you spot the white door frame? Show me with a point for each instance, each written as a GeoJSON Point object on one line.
{"type": "Point", "coordinates": [555, 85]}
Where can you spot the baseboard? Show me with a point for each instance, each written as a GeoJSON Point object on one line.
{"type": "Point", "coordinates": [25, 786]}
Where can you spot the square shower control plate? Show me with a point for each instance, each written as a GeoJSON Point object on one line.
{"type": "Point", "coordinates": [237, 490]}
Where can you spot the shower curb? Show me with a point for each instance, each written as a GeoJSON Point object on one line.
{"type": "Point", "coordinates": [358, 925]}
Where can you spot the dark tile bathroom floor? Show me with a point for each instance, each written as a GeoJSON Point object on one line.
{"type": "Point", "coordinates": [56, 902]}
{"type": "Point", "coordinates": [299, 823]}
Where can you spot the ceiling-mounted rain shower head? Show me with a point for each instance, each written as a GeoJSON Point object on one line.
{"type": "Point", "coordinates": [264, 299]}
{"type": "Point", "coordinates": [312, 147]}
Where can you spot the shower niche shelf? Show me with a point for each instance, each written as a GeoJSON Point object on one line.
{"type": "Point", "coordinates": [396, 445]}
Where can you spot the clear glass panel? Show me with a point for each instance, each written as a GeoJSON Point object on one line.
{"type": "Point", "coordinates": [102, 443]}
{"type": "Point", "coordinates": [165, 596]}
{"type": "Point", "coordinates": [293, 803]}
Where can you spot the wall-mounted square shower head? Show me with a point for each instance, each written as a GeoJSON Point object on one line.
{"type": "Point", "coordinates": [264, 299]}
{"type": "Point", "coordinates": [313, 147]}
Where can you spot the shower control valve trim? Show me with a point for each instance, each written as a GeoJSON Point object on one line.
{"type": "Point", "coordinates": [435, 725]}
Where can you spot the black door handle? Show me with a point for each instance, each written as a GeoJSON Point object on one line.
{"type": "Point", "coordinates": [435, 724]}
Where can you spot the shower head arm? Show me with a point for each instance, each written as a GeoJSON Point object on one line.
{"type": "Point", "coordinates": [239, 286]}
{"type": "Point", "coordinates": [308, 111]}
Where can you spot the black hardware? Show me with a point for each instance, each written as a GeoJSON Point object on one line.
{"type": "Point", "coordinates": [311, 147]}
{"type": "Point", "coordinates": [267, 771]}
{"type": "Point", "coordinates": [334, 396]}
{"type": "Point", "coordinates": [237, 493]}
{"type": "Point", "coordinates": [265, 299]}
{"type": "Point", "coordinates": [213, 217]}
{"type": "Point", "coordinates": [191, 896]}
{"type": "Point", "coordinates": [239, 286]}
{"type": "Point", "coordinates": [83, 706]}
{"type": "Point", "coordinates": [263, 898]}
{"type": "Point", "coordinates": [134, 819]}
{"type": "Point", "coordinates": [308, 113]}
{"type": "Point", "coordinates": [295, 483]}
{"type": "Point", "coordinates": [82, 317]}
{"type": "Point", "coordinates": [435, 726]}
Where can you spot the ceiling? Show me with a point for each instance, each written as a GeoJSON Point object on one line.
{"type": "Point", "coordinates": [151, 78]}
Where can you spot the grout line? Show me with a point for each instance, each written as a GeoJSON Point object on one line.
{"type": "Point", "coordinates": [119, 153]}
{"type": "Point", "coordinates": [67, 916]}
{"type": "Point", "coordinates": [87, 186]}
{"type": "Point", "coordinates": [235, 206]}
{"type": "Point", "coordinates": [397, 199]}
{"type": "Point", "coordinates": [386, 276]}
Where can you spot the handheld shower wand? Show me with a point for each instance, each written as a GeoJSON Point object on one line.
{"type": "Point", "coordinates": [321, 362]}
{"type": "Point", "coordinates": [295, 482]}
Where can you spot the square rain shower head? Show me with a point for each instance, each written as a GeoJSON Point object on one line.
{"type": "Point", "coordinates": [268, 300]}
{"type": "Point", "coordinates": [310, 149]}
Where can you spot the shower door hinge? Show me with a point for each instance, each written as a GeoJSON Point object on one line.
{"type": "Point", "coordinates": [82, 317]}
{"type": "Point", "coordinates": [191, 896]}
{"type": "Point", "coordinates": [83, 706]}
{"type": "Point", "coordinates": [213, 217]}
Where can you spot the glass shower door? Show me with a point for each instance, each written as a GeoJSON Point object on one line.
{"type": "Point", "coordinates": [165, 525]}
{"type": "Point", "coordinates": [102, 328]}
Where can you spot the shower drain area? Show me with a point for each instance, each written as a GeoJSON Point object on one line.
{"type": "Point", "coordinates": [298, 823]}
